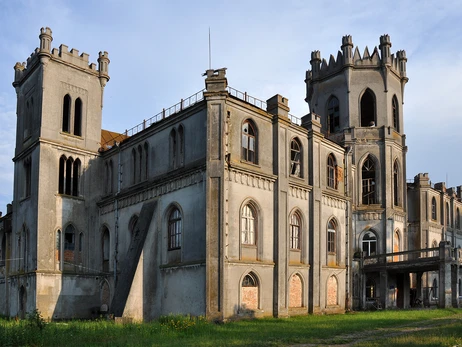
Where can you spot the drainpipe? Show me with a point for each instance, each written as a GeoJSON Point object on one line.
{"type": "Point", "coordinates": [347, 226]}
{"type": "Point", "coordinates": [116, 228]}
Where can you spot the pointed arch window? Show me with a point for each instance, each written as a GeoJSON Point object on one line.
{"type": "Point", "coordinates": [78, 117]}
{"type": "Point", "coordinates": [368, 109]}
{"type": "Point", "coordinates": [58, 247]}
{"type": "Point", "coordinates": [434, 209]}
{"type": "Point", "coordinates": [395, 110]}
{"type": "Point", "coordinates": [368, 182]}
{"type": "Point", "coordinates": [174, 229]}
{"type": "Point", "coordinates": [458, 218]}
{"type": "Point", "coordinates": [146, 161]}
{"type": "Point", "coordinates": [139, 169]}
{"type": "Point", "coordinates": [173, 149]}
{"type": "Point", "coordinates": [181, 146]}
{"type": "Point", "coordinates": [28, 176]}
{"type": "Point", "coordinates": [396, 245]}
{"type": "Point", "coordinates": [331, 172]}
{"type": "Point", "coordinates": [66, 126]}
{"type": "Point", "coordinates": [448, 215]}
{"type": "Point", "coordinates": [331, 236]}
{"type": "Point", "coordinates": [369, 243]}
{"type": "Point", "coordinates": [295, 231]}
{"type": "Point", "coordinates": [333, 115]}
{"type": "Point", "coordinates": [134, 167]}
{"type": "Point", "coordinates": [295, 158]}
{"type": "Point", "coordinates": [249, 142]}
{"type": "Point", "coordinates": [105, 248]}
{"type": "Point", "coordinates": [69, 176]}
{"type": "Point", "coordinates": [249, 292]}
{"type": "Point", "coordinates": [396, 185]}
{"type": "Point", "coordinates": [248, 225]}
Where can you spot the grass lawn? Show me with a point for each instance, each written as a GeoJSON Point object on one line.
{"type": "Point", "coordinates": [363, 329]}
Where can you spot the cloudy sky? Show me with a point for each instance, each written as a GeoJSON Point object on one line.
{"type": "Point", "coordinates": [159, 49]}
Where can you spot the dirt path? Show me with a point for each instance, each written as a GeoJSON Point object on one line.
{"type": "Point", "coordinates": [355, 338]}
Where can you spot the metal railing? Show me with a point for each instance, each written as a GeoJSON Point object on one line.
{"type": "Point", "coordinates": [193, 99]}
{"type": "Point", "coordinates": [402, 256]}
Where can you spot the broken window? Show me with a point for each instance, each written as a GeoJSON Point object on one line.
{"type": "Point", "coordinates": [331, 179]}
{"type": "Point", "coordinates": [295, 158]}
{"type": "Point", "coordinates": [368, 109]}
{"type": "Point", "coordinates": [249, 142]}
{"type": "Point", "coordinates": [333, 115]}
{"type": "Point", "coordinates": [368, 182]}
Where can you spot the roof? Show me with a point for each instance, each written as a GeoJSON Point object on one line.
{"type": "Point", "coordinates": [109, 138]}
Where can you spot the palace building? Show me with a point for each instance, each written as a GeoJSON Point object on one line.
{"type": "Point", "coordinates": [223, 205]}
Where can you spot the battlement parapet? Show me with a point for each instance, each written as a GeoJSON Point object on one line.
{"type": "Point", "coordinates": [62, 54]}
{"type": "Point", "coordinates": [381, 56]}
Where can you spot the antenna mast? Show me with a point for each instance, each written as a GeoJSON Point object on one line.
{"type": "Point", "coordinates": [210, 52]}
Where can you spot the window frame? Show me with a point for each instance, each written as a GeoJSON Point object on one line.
{"type": "Point", "coordinates": [395, 112]}
{"type": "Point", "coordinates": [249, 224]}
{"type": "Point", "coordinates": [332, 236]}
{"type": "Point", "coordinates": [369, 238]}
{"type": "Point", "coordinates": [369, 184]}
{"type": "Point", "coordinates": [295, 231]}
{"type": "Point", "coordinates": [333, 115]}
{"type": "Point", "coordinates": [249, 138]}
{"type": "Point", "coordinates": [174, 229]}
{"type": "Point", "coordinates": [331, 171]}
{"type": "Point", "coordinates": [434, 209]}
{"type": "Point", "coordinates": [296, 156]}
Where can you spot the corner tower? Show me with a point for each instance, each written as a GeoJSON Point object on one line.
{"type": "Point", "coordinates": [59, 113]}
{"type": "Point", "coordinates": [360, 98]}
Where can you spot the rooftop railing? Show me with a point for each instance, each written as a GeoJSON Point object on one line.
{"type": "Point", "coordinates": [193, 99]}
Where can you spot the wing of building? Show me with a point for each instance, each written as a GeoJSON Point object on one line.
{"type": "Point", "coordinates": [223, 205]}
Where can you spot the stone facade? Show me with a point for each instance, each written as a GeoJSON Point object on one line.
{"type": "Point", "coordinates": [223, 205]}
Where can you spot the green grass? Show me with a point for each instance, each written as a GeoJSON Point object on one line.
{"type": "Point", "coordinates": [365, 329]}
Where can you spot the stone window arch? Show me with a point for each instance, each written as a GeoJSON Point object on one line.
{"type": "Point", "coordinates": [66, 119]}
{"type": "Point", "coordinates": [333, 115]}
{"type": "Point", "coordinates": [368, 109]}
{"type": "Point", "coordinates": [396, 244]}
{"type": "Point", "coordinates": [78, 117]}
{"type": "Point", "coordinates": [295, 291]}
{"type": "Point", "coordinates": [250, 292]}
{"type": "Point", "coordinates": [396, 184]}
{"type": "Point", "coordinates": [249, 142]}
{"type": "Point", "coordinates": [332, 291]}
{"type": "Point", "coordinates": [395, 112]}
{"type": "Point", "coordinates": [249, 224]}
{"type": "Point", "coordinates": [295, 235]}
{"type": "Point", "coordinates": [175, 227]}
{"type": "Point", "coordinates": [295, 158]}
{"type": "Point", "coordinates": [434, 209]}
{"type": "Point", "coordinates": [369, 243]}
{"type": "Point", "coordinates": [369, 181]}
{"type": "Point", "coordinates": [331, 171]}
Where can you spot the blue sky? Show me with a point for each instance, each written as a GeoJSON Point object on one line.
{"type": "Point", "coordinates": [159, 49]}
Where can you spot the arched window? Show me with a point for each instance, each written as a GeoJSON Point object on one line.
{"type": "Point", "coordinates": [105, 248]}
{"type": "Point", "coordinates": [249, 142]}
{"type": "Point", "coordinates": [180, 146]}
{"type": "Point", "coordinates": [134, 167]}
{"type": "Point", "coordinates": [69, 165]}
{"type": "Point", "coordinates": [75, 177]}
{"type": "Point", "coordinates": [173, 149]}
{"type": "Point", "coordinates": [331, 236]}
{"type": "Point", "coordinates": [295, 158]}
{"type": "Point", "coordinates": [448, 216]}
{"type": "Point", "coordinates": [78, 117]}
{"type": "Point", "coordinates": [331, 174]}
{"type": "Point", "coordinates": [249, 292]}
{"type": "Point", "coordinates": [132, 224]}
{"type": "Point", "coordinates": [146, 161]}
{"type": "Point", "coordinates": [396, 196]}
{"type": "Point", "coordinates": [27, 176]}
{"type": "Point", "coordinates": [66, 113]}
{"type": "Point", "coordinates": [458, 219]}
{"type": "Point", "coordinates": [174, 229]}
{"type": "Point", "coordinates": [369, 243]}
{"type": "Point", "coordinates": [139, 169]}
{"type": "Point", "coordinates": [62, 165]}
{"type": "Point", "coordinates": [368, 181]}
{"type": "Point", "coordinates": [396, 245]}
{"type": "Point", "coordinates": [332, 291]}
{"type": "Point", "coordinates": [435, 289]}
{"type": "Point", "coordinates": [333, 115]}
{"type": "Point", "coordinates": [69, 244]}
{"type": "Point", "coordinates": [58, 247]}
{"type": "Point", "coordinates": [295, 291]}
{"type": "Point", "coordinates": [368, 109]}
{"type": "Point", "coordinates": [395, 110]}
{"type": "Point", "coordinates": [434, 208]}
{"type": "Point", "coordinates": [370, 289]}
{"type": "Point", "coordinates": [295, 231]}
{"type": "Point", "coordinates": [248, 225]}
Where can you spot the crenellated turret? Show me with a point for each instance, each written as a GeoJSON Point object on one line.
{"type": "Point", "coordinates": [103, 63]}
{"type": "Point", "coordinates": [315, 63]}
{"type": "Point", "coordinates": [402, 62]}
{"type": "Point", "coordinates": [385, 45]}
{"type": "Point", "coordinates": [347, 49]}
{"type": "Point", "coordinates": [45, 40]}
